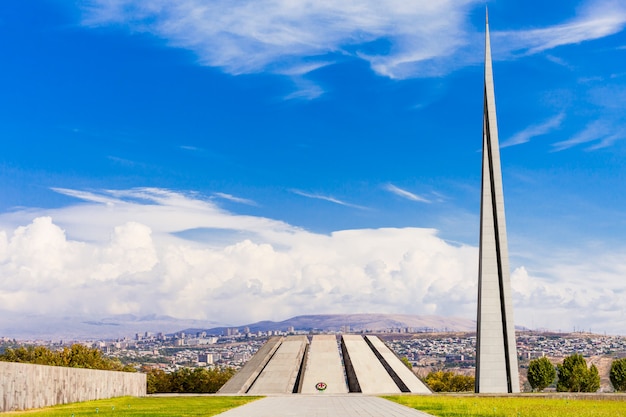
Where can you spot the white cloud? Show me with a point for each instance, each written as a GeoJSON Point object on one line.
{"type": "Point", "coordinates": [140, 267]}
{"type": "Point", "coordinates": [533, 131]}
{"type": "Point", "coordinates": [405, 194]}
{"type": "Point", "coordinates": [604, 132]}
{"type": "Point", "coordinates": [415, 39]}
{"type": "Point", "coordinates": [327, 198]}
{"type": "Point", "coordinates": [291, 37]}
{"type": "Point", "coordinates": [235, 199]}
{"type": "Point", "coordinates": [597, 19]}
{"type": "Point", "coordinates": [579, 290]}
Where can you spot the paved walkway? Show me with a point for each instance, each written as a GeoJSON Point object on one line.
{"type": "Point", "coordinates": [351, 405]}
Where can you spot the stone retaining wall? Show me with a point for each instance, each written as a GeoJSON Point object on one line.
{"type": "Point", "coordinates": [24, 386]}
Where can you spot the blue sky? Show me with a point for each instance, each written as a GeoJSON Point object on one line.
{"type": "Point", "coordinates": [261, 159]}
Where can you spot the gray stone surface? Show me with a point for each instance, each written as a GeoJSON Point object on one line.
{"type": "Point", "coordinates": [365, 367]}
{"type": "Point", "coordinates": [241, 382]}
{"type": "Point", "coordinates": [24, 386]}
{"type": "Point", "coordinates": [349, 405]}
{"type": "Point", "coordinates": [280, 374]}
{"type": "Point", "coordinates": [496, 356]}
{"type": "Point", "coordinates": [408, 378]}
{"type": "Point", "coordinates": [324, 364]}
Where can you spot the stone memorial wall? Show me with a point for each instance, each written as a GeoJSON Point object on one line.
{"type": "Point", "coordinates": [25, 386]}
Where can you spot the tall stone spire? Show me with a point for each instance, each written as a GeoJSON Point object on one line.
{"type": "Point", "coordinates": [496, 353]}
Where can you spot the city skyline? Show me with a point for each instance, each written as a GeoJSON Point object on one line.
{"type": "Point", "coordinates": [235, 163]}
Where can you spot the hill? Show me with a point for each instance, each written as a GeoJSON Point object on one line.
{"type": "Point", "coordinates": [355, 322]}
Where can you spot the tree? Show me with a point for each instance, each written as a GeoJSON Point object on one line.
{"type": "Point", "coordinates": [541, 373]}
{"type": "Point", "coordinates": [157, 381]}
{"type": "Point", "coordinates": [618, 374]}
{"type": "Point", "coordinates": [440, 381]}
{"type": "Point", "coordinates": [185, 380]}
{"type": "Point", "coordinates": [75, 356]}
{"type": "Point", "coordinates": [406, 362]}
{"type": "Point", "coordinates": [575, 377]}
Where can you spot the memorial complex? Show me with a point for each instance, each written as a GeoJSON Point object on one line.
{"type": "Point", "coordinates": [286, 365]}
{"type": "Point", "coordinates": [365, 364]}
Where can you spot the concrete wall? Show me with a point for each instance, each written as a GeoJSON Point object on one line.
{"type": "Point", "coordinates": [241, 382]}
{"type": "Point", "coordinates": [406, 380]}
{"type": "Point", "coordinates": [24, 386]}
{"type": "Point", "coordinates": [324, 365]}
{"type": "Point", "coordinates": [363, 366]}
{"type": "Point", "coordinates": [281, 373]}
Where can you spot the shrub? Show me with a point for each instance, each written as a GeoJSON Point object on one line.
{"type": "Point", "coordinates": [575, 377]}
{"type": "Point", "coordinates": [75, 356]}
{"type": "Point", "coordinates": [541, 373]}
{"type": "Point", "coordinates": [448, 381]}
{"type": "Point", "coordinates": [185, 380]}
{"type": "Point", "coordinates": [618, 374]}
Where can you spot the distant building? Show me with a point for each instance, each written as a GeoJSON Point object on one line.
{"type": "Point", "coordinates": [206, 358]}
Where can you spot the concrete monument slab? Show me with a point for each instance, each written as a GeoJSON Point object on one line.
{"type": "Point", "coordinates": [323, 365]}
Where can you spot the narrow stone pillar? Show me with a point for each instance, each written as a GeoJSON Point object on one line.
{"type": "Point", "coordinates": [496, 353]}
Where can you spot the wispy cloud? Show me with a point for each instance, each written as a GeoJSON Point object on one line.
{"type": "Point", "coordinates": [405, 194]}
{"type": "Point", "coordinates": [295, 38]}
{"type": "Point", "coordinates": [558, 61]}
{"type": "Point", "coordinates": [534, 130]}
{"type": "Point", "coordinates": [596, 20]}
{"type": "Point", "coordinates": [189, 148]}
{"type": "Point", "coordinates": [603, 132]}
{"type": "Point", "coordinates": [609, 126]}
{"type": "Point", "coordinates": [122, 161]}
{"type": "Point", "coordinates": [234, 199]}
{"type": "Point", "coordinates": [305, 89]}
{"type": "Point", "coordinates": [327, 198]}
{"type": "Point", "coordinates": [88, 196]}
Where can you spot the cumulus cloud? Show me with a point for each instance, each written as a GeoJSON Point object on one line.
{"type": "Point", "coordinates": [399, 39]}
{"type": "Point", "coordinates": [573, 294]}
{"type": "Point", "coordinates": [140, 268]}
{"type": "Point", "coordinates": [52, 263]}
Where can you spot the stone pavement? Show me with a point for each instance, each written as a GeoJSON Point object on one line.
{"type": "Point", "coordinates": [348, 405]}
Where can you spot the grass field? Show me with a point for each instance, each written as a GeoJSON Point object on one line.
{"type": "Point", "coordinates": [471, 406]}
{"type": "Point", "coordinates": [437, 405]}
{"type": "Point", "coordinates": [147, 406]}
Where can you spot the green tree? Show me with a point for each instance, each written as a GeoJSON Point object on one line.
{"type": "Point", "coordinates": [406, 362]}
{"type": "Point", "coordinates": [618, 374]}
{"type": "Point", "coordinates": [541, 373]}
{"type": "Point", "coordinates": [574, 376]}
{"type": "Point", "coordinates": [75, 356]}
{"type": "Point", "coordinates": [440, 381]}
{"type": "Point", "coordinates": [157, 381]}
{"type": "Point", "coordinates": [186, 380]}
{"type": "Point", "coordinates": [39, 355]}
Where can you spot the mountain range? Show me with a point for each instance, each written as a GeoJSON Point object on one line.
{"type": "Point", "coordinates": [353, 322]}
{"type": "Point", "coordinates": [41, 327]}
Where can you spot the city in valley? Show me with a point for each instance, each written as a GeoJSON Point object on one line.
{"type": "Point", "coordinates": [426, 351]}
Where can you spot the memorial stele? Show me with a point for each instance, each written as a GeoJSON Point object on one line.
{"type": "Point", "coordinates": [496, 351]}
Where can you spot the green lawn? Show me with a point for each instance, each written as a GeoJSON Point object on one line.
{"type": "Point", "coordinates": [147, 406]}
{"type": "Point", "coordinates": [438, 405]}
{"type": "Point", "coordinates": [527, 406]}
